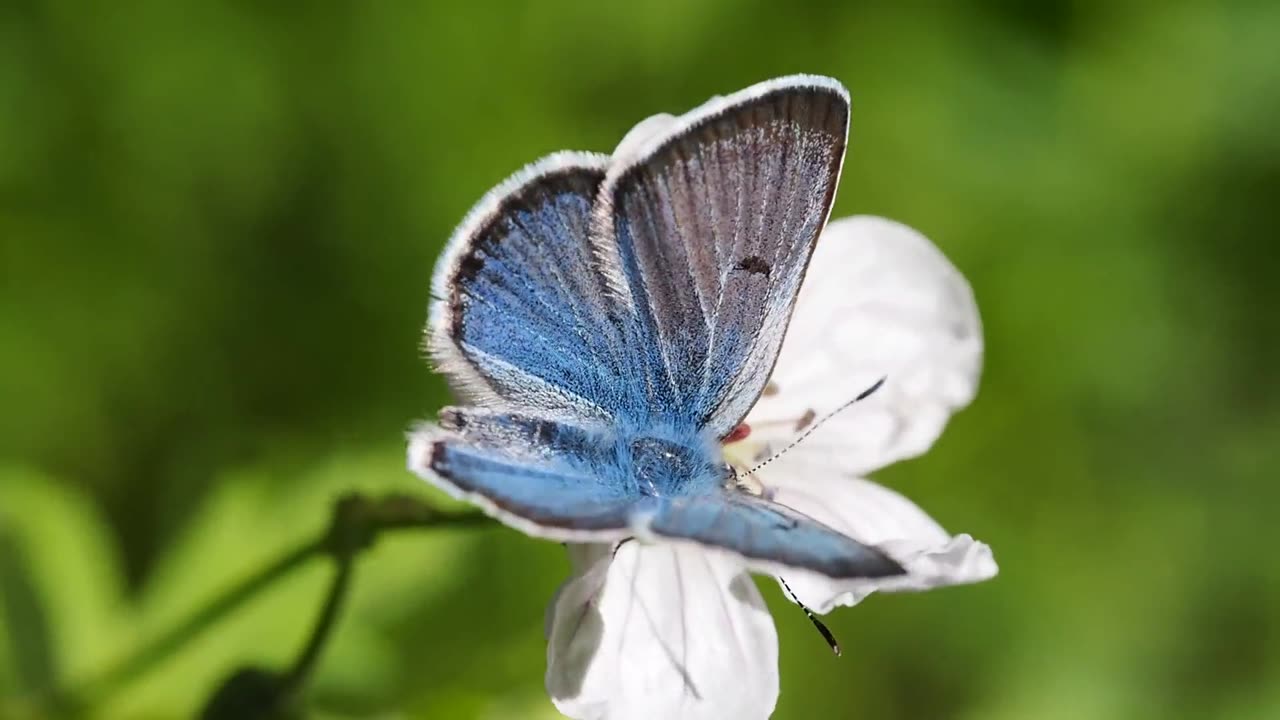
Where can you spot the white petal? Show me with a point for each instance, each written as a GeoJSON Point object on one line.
{"type": "Point", "coordinates": [643, 130]}
{"type": "Point", "coordinates": [879, 300]}
{"type": "Point", "coordinates": [655, 125]}
{"type": "Point", "coordinates": [661, 631]}
{"type": "Point", "coordinates": [875, 515]}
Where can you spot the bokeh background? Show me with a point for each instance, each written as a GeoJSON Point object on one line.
{"type": "Point", "coordinates": [217, 226]}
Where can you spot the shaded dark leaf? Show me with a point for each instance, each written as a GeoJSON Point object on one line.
{"type": "Point", "coordinates": [250, 694]}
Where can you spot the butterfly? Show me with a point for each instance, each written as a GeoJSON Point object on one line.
{"type": "Point", "coordinates": [608, 321]}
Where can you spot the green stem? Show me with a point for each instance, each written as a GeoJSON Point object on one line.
{"type": "Point", "coordinates": [296, 678]}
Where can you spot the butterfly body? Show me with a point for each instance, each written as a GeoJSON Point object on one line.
{"type": "Point", "coordinates": [671, 466]}
{"type": "Point", "coordinates": [609, 320]}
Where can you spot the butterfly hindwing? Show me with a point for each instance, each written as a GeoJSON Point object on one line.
{"type": "Point", "coordinates": [768, 535]}
{"type": "Point", "coordinates": [545, 476]}
{"type": "Point", "coordinates": [566, 482]}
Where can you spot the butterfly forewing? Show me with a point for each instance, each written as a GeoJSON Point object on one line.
{"type": "Point", "coordinates": [713, 223]}
{"type": "Point", "coordinates": [521, 318]}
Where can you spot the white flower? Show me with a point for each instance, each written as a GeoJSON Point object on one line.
{"type": "Point", "coordinates": [680, 632]}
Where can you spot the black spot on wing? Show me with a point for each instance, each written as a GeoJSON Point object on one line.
{"type": "Point", "coordinates": [436, 457]}
{"type": "Point", "coordinates": [754, 264]}
{"type": "Point", "coordinates": [545, 434]}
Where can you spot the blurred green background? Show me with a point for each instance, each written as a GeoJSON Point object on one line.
{"type": "Point", "coordinates": [217, 226]}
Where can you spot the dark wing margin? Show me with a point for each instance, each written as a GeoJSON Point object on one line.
{"type": "Point", "coordinates": [520, 316]}
{"type": "Point", "coordinates": [711, 225]}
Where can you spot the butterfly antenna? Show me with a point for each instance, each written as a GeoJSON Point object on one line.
{"type": "Point", "coordinates": [822, 628]}
{"type": "Point", "coordinates": [817, 424]}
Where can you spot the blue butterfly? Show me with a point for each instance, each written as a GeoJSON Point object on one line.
{"type": "Point", "coordinates": [610, 320]}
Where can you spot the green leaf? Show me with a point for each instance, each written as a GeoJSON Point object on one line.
{"type": "Point", "coordinates": [23, 613]}
{"type": "Point", "coordinates": [60, 584]}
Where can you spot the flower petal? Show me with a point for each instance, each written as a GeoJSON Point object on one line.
{"type": "Point", "coordinates": [654, 125]}
{"type": "Point", "coordinates": [660, 631]}
{"type": "Point", "coordinates": [875, 515]}
{"type": "Point", "coordinates": [642, 131]}
{"type": "Point", "coordinates": [879, 300]}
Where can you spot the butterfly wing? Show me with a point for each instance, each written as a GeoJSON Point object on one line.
{"type": "Point", "coordinates": [772, 538]}
{"type": "Point", "coordinates": [710, 224]}
{"type": "Point", "coordinates": [562, 481]}
{"type": "Point", "coordinates": [520, 317]}
{"type": "Point", "coordinates": [548, 478]}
